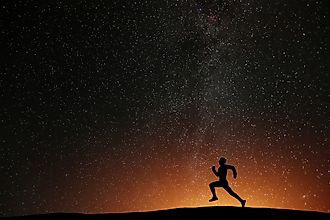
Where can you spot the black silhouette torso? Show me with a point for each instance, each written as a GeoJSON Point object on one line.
{"type": "Point", "coordinates": [223, 173]}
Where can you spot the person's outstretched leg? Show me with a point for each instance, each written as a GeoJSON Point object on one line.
{"type": "Point", "coordinates": [212, 188]}
{"type": "Point", "coordinates": [233, 194]}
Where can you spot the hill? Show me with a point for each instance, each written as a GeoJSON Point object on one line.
{"type": "Point", "coordinates": [193, 213]}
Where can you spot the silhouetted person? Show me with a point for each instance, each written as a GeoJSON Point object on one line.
{"type": "Point", "coordinates": [222, 174]}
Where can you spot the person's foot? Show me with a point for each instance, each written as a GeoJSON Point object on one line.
{"type": "Point", "coordinates": [214, 198]}
{"type": "Point", "coordinates": [243, 203]}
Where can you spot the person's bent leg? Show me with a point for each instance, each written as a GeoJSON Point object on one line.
{"type": "Point", "coordinates": [233, 194]}
{"type": "Point", "coordinates": [212, 188]}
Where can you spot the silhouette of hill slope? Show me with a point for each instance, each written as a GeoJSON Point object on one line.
{"type": "Point", "coordinates": [193, 213]}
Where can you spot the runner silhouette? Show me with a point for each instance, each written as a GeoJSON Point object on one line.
{"type": "Point", "coordinates": [222, 174]}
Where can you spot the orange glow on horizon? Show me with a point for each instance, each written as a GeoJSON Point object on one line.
{"type": "Point", "coordinates": [157, 186]}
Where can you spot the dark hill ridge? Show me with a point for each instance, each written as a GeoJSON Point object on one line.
{"type": "Point", "coordinates": [209, 213]}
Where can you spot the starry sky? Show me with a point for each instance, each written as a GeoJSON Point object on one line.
{"type": "Point", "coordinates": [118, 106]}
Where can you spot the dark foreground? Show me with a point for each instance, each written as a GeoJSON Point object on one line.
{"type": "Point", "coordinates": [205, 213]}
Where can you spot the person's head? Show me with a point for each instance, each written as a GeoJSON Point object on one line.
{"type": "Point", "coordinates": [222, 160]}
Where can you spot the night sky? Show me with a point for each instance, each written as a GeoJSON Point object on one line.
{"type": "Point", "coordinates": [118, 106]}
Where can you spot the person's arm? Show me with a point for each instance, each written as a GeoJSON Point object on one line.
{"type": "Point", "coordinates": [215, 171]}
{"type": "Point", "coordinates": [233, 169]}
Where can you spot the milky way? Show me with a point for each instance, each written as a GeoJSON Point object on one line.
{"type": "Point", "coordinates": [110, 106]}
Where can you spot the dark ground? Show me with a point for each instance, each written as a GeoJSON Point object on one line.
{"type": "Point", "coordinates": [194, 213]}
